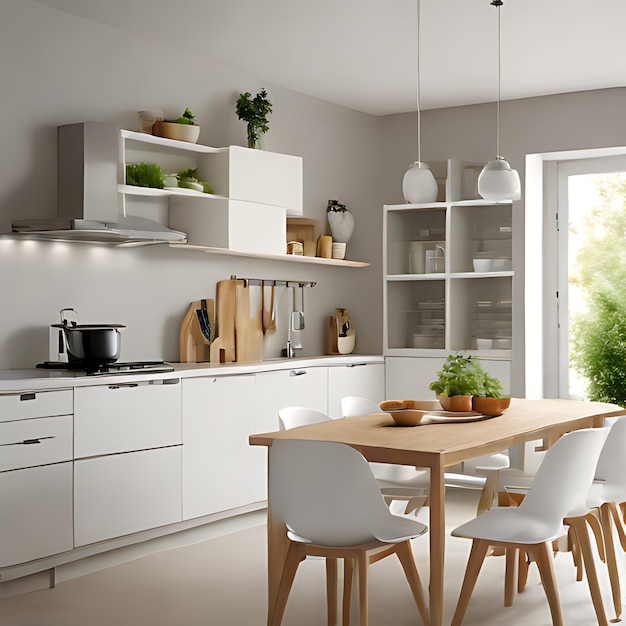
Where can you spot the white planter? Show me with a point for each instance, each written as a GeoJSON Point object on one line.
{"type": "Point", "coordinates": [341, 225]}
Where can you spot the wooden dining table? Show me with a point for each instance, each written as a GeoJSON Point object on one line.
{"type": "Point", "coordinates": [435, 446]}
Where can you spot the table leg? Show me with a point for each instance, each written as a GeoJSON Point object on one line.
{"type": "Point", "coordinates": [277, 546]}
{"type": "Point", "coordinates": [437, 533]}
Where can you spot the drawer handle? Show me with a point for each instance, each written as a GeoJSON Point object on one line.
{"type": "Point", "coordinates": [355, 364]}
{"type": "Point", "coordinates": [123, 385]}
{"type": "Point", "coordinates": [27, 396]}
{"type": "Point", "coordinates": [297, 373]}
{"type": "Point", "coordinates": [27, 442]}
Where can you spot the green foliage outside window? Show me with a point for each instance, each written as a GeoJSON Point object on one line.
{"type": "Point", "coordinates": [598, 336]}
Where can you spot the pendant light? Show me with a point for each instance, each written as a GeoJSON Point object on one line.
{"type": "Point", "coordinates": [419, 184]}
{"type": "Point", "coordinates": [498, 181]}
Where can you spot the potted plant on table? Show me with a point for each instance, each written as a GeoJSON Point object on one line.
{"type": "Point", "coordinates": [463, 385]}
{"type": "Point", "coordinates": [254, 111]}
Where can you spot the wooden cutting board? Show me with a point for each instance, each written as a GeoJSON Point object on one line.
{"type": "Point", "coordinates": [249, 323]}
{"type": "Point", "coordinates": [225, 303]}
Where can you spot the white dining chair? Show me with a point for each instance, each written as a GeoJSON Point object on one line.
{"type": "Point", "coordinates": [397, 483]}
{"type": "Point", "coordinates": [477, 473]}
{"type": "Point", "coordinates": [557, 495]}
{"type": "Point", "coordinates": [327, 496]}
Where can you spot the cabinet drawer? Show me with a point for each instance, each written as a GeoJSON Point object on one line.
{"type": "Point", "coordinates": [125, 493]}
{"type": "Point", "coordinates": [126, 417]}
{"type": "Point", "coordinates": [29, 404]}
{"type": "Point", "coordinates": [35, 442]}
{"type": "Point", "coordinates": [36, 513]}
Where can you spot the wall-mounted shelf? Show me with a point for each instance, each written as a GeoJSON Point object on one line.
{"type": "Point", "coordinates": [290, 258]}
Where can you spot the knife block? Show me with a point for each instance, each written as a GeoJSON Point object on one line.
{"type": "Point", "coordinates": [194, 346]}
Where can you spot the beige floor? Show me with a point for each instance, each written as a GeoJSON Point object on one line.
{"type": "Point", "coordinates": [221, 582]}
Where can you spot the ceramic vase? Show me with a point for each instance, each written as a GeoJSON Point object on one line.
{"type": "Point", "coordinates": [341, 225]}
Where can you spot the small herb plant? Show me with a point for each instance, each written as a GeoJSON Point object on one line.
{"type": "Point", "coordinates": [144, 175]}
{"type": "Point", "coordinates": [186, 118]}
{"type": "Point", "coordinates": [337, 207]}
{"type": "Point", "coordinates": [189, 179]}
{"type": "Point", "coordinates": [464, 376]}
{"type": "Point", "coordinates": [254, 111]}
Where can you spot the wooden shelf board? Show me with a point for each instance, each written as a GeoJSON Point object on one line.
{"type": "Point", "coordinates": [272, 257]}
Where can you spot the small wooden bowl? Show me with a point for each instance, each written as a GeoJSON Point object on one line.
{"type": "Point", "coordinates": [490, 406]}
{"type": "Point", "coordinates": [407, 417]}
{"type": "Point", "coordinates": [180, 132]}
{"type": "Point", "coordinates": [456, 403]}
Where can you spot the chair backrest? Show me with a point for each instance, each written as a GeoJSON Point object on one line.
{"type": "Point", "coordinates": [353, 406]}
{"type": "Point", "coordinates": [293, 416]}
{"type": "Point", "coordinates": [563, 479]}
{"type": "Point", "coordinates": [612, 462]}
{"type": "Point", "coordinates": [326, 494]}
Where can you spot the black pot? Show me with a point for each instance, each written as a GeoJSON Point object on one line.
{"type": "Point", "coordinates": [92, 344]}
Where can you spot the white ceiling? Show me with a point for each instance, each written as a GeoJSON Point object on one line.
{"type": "Point", "coordinates": [362, 54]}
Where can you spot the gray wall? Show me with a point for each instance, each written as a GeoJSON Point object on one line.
{"type": "Point", "coordinates": [60, 69]}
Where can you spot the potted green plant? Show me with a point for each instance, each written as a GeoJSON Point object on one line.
{"type": "Point", "coordinates": [183, 128]}
{"type": "Point", "coordinates": [463, 385]}
{"type": "Point", "coordinates": [144, 175]}
{"type": "Point", "coordinates": [340, 220]}
{"type": "Point", "coordinates": [254, 112]}
{"type": "Point", "coordinates": [458, 380]}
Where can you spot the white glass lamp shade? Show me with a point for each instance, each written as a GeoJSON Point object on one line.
{"type": "Point", "coordinates": [498, 181]}
{"type": "Point", "coordinates": [419, 184]}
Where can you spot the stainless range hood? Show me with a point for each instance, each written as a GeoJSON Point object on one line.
{"type": "Point", "coordinates": [89, 207]}
{"type": "Point", "coordinates": [126, 231]}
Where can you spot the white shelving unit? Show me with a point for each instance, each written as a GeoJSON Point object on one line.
{"type": "Point", "coordinates": [434, 301]}
{"type": "Point", "coordinates": [255, 191]}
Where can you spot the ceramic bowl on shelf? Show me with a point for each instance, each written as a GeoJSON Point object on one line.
{"type": "Point", "coordinates": [180, 132]}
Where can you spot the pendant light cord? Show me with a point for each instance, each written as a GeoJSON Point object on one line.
{"type": "Point", "coordinates": [419, 155]}
{"type": "Point", "coordinates": [498, 4]}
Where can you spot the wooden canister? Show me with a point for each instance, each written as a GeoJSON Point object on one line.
{"type": "Point", "coordinates": [325, 247]}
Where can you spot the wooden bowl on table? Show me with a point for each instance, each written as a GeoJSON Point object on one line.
{"type": "Point", "coordinates": [490, 406]}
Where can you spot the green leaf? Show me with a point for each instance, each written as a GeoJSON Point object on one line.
{"type": "Point", "coordinates": [144, 175]}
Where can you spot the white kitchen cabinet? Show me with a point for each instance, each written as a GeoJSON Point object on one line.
{"type": "Point", "coordinates": [220, 468]}
{"type": "Point", "coordinates": [354, 379]}
{"type": "Point", "coordinates": [36, 513]}
{"type": "Point", "coordinates": [119, 494]}
{"type": "Point", "coordinates": [434, 300]}
{"type": "Point", "coordinates": [408, 378]}
{"type": "Point", "coordinates": [299, 386]}
{"type": "Point", "coordinates": [35, 475]}
{"type": "Point", "coordinates": [122, 417]}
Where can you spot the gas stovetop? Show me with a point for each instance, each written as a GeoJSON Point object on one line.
{"type": "Point", "coordinates": [108, 369]}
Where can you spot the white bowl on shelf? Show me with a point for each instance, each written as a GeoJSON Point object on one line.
{"type": "Point", "coordinates": [484, 343]}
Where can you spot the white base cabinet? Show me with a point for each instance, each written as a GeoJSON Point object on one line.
{"type": "Point", "coordinates": [120, 494]}
{"type": "Point", "coordinates": [306, 387]}
{"type": "Point", "coordinates": [220, 468]}
{"type": "Point", "coordinates": [36, 513]}
{"type": "Point", "coordinates": [356, 379]}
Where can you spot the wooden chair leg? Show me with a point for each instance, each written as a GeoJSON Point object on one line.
{"type": "Point", "coordinates": [611, 560]}
{"type": "Point", "coordinates": [509, 576]}
{"type": "Point", "coordinates": [619, 524]}
{"type": "Point", "coordinates": [542, 555]}
{"type": "Point", "coordinates": [488, 493]}
{"type": "Point", "coordinates": [474, 563]}
{"type": "Point", "coordinates": [348, 575]}
{"type": "Point", "coordinates": [294, 557]}
{"type": "Point", "coordinates": [579, 525]}
{"type": "Point", "coordinates": [331, 590]}
{"type": "Point", "coordinates": [522, 570]}
{"type": "Point", "coordinates": [405, 556]}
{"type": "Point", "coordinates": [593, 520]}
{"type": "Point", "coordinates": [363, 563]}
{"type": "Point", "coordinates": [574, 549]}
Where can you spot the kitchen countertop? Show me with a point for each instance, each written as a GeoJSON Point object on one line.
{"type": "Point", "coordinates": [20, 380]}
